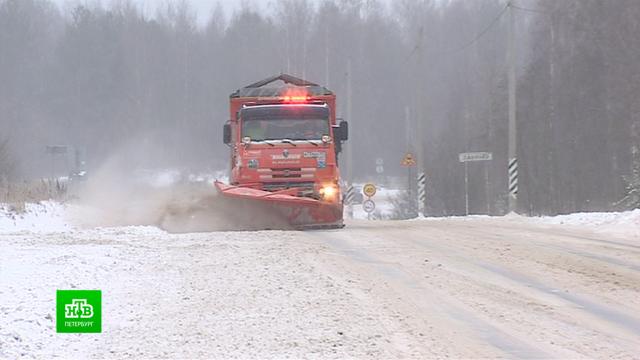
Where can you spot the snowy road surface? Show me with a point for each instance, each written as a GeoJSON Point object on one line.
{"type": "Point", "coordinates": [461, 288]}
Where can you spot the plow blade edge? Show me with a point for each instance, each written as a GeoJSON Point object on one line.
{"type": "Point", "coordinates": [298, 212]}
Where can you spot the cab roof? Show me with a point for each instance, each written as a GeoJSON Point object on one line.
{"type": "Point", "coordinates": [280, 85]}
{"type": "Point", "coordinates": [287, 110]}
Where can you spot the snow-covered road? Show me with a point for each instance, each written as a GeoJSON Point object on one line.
{"type": "Point", "coordinates": [461, 288]}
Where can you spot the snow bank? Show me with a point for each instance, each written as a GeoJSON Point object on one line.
{"type": "Point", "coordinates": [53, 217]}
{"type": "Point", "coordinates": [43, 217]}
{"type": "Point", "coordinates": [594, 218]}
{"type": "Point", "coordinates": [626, 223]}
{"type": "Point", "coordinates": [620, 223]}
{"type": "Point", "coordinates": [50, 217]}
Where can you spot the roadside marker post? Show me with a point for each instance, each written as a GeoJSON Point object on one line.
{"type": "Point", "coordinates": [513, 178]}
{"type": "Point", "coordinates": [422, 193]}
{"type": "Point", "coordinates": [348, 199]}
{"type": "Point", "coordinates": [349, 195]}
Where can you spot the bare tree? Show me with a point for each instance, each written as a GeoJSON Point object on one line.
{"type": "Point", "coordinates": [7, 163]}
{"type": "Point", "coordinates": [109, 78]}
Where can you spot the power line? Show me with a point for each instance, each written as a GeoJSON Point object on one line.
{"type": "Point", "coordinates": [473, 41]}
{"type": "Point", "coordinates": [481, 33]}
{"type": "Point", "coordinates": [486, 29]}
{"type": "Point", "coordinates": [529, 10]}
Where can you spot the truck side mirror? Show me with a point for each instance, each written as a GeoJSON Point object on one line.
{"type": "Point", "coordinates": [343, 131]}
{"type": "Point", "coordinates": [226, 133]}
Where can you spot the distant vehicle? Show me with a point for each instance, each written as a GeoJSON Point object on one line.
{"type": "Point", "coordinates": [284, 140]}
{"type": "Point", "coordinates": [78, 176]}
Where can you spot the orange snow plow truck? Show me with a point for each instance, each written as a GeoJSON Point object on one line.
{"type": "Point", "coordinates": [284, 140]}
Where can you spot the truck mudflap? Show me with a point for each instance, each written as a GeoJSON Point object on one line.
{"type": "Point", "coordinates": [297, 212]}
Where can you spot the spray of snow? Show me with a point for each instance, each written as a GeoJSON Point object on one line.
{"type": "Point", "coordinates": [172, 200]}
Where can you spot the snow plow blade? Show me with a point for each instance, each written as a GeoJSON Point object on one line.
{"type": "Point", "coordinates": [295, 211]}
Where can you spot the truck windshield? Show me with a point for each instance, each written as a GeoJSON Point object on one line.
{"type": "Point", "coordinates": [277, 123]}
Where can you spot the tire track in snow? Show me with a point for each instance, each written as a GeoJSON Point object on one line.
{"type": "Point", "coordinates": [601, 311]}
{"type": "Point", "coordinates": [551, 317]}
{"type": "Point", "coordinates": [483, 330]}
{"type": "Point", "coordinates": [563, 233]}
{"type": "Point", "coordinates": [558, 236]}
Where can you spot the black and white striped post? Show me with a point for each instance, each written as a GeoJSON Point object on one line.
{"type": "Point", "coordinates": [349, 196]}
{"type": "Point", "coordinates": [422, 192]}
{"type": "Point", "coordinates": [513, 179]}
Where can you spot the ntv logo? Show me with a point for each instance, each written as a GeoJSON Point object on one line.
{"type": "Point", "coordinates": [78, 309]}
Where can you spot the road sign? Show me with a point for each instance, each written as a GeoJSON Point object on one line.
{"type": "Point", "coordinates": [468, 157]}
{"type": "Point", "coordinates": [369, 189]}
{"type": "Point", "coordinates": [379, 161]}
{"type": "Point", "coordinates": [475, 156]}
{"type": "Point", "coordinates": [56, 149]}
{"type": "Point", "coordinates": [408, 160]}
{"type": "Point", "coordinates": [369, 206]}
{"type": "Point", "coordinates": [379, 169]}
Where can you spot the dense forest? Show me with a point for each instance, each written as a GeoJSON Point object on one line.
{"type": "Point", "coordinates": [110, 79]}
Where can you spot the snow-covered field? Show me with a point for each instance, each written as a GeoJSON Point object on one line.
{"type": "Point", "coordinates": [47, 216]}
{"type": "Point", "coordinates": [563, 287]}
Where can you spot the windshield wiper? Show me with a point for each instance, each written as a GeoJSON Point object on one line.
{"type": "Point", "coordinates": [265, 141]}
{"type": "Point", "coordinates": [309, 141]}
{"type": "Point", "coordinates": [288, 141]}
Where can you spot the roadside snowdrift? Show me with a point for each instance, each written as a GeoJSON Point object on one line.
{"type": "Point", "coordinates": [53, 217]}
{"type": "Point", "coordinates": [44, 217]}
{"type": "Point", "coordinates": [625, 223]}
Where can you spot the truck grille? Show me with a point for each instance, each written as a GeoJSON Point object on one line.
{"type": "Point", "coordinates": [275, 186]}
{"type": "Point", "coordinates": [286, 173]}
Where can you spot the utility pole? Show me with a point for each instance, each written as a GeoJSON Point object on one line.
{"type": "Point", "coordinates": [304, 55]}
{"type": "Point", "coordinates": [421, 114]}
{"type": "Point", "coordinates": [326, 58]}
{"type": "Point", "coordinates": [408, 127]}
{"type": "Point", "coordinates": [466, 188]}
{"type": "Point", "coordinates": [349, 147]}
{"type": "Point", "coordinates": [512, 169]}
{"type": "Point", "coordinates": [349, 108]}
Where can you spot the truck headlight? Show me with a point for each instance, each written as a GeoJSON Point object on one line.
{"type": "Point", "coordinates": [329, 192]}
